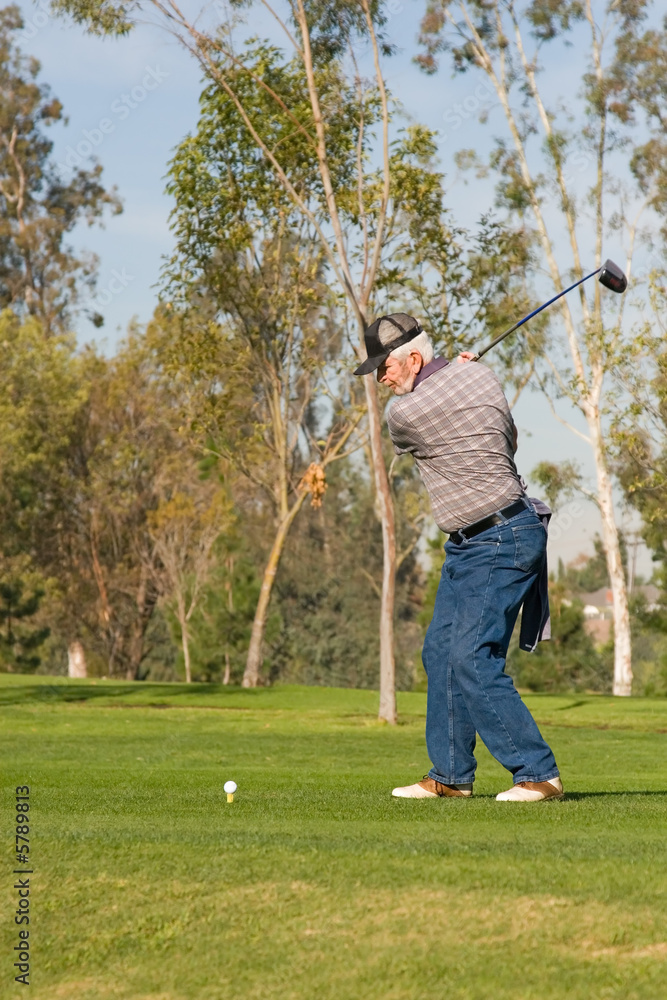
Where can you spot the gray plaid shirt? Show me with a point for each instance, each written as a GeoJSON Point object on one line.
{"type": "Point", "coordinates": [458, 426]}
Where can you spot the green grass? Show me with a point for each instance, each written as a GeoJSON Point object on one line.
{"type": "Point", "coordinates": [314, 884]}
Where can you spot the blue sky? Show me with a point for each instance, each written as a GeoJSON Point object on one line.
{"type": "Point", "coordinates": [131, 101]}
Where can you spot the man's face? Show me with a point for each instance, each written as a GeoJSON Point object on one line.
{"type": "Point", "coordinates": [399, 376]}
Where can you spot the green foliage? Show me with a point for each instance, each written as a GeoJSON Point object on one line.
{"type": "Point", "coordinates": [221, 623]}
{"type": "Point", "coordinates": [641, 465]}
{"type": "Point", "coordinates": [437, 556]}
{"type": "Point", "coordinates": [85, 446]}
{"type": "Point", "coordinates": [591, 574]}
{"type": "Point", "coordinates": [641, 434]}
{"type": "Point", "coordinates": [558, 480]}
{"type": "Point", "coordinates": [20, 640]}
{"type": "Point", "coordinates": [125, 457]}
{"type": "Point", "coordinates": [567, 662]}
{"type": "Point", "coordinates": [334, 23]}
{"type": "Point", "coordinates": [639, 92]}
{"type": "Point", "coordinates": [246, 280]}
{"type": "Point", "coordinates": [225, 190]}
{"type": "Point", "coordinates": [546, 19]}
{"type": "Point", "coordinates": [101, 17]}
{"type": "Point", "coordinates": [650, 639]}
{"type": "Point", "coordinates": [326, 598]}
{"type": "Point", "coordinates": [91, 450]}
{"type": "Point", "coordinates": [41, 396]}
{"type": "Point", "coordinates": [228, 201]}
{"type": "Point", "coordinates": [39, 274]}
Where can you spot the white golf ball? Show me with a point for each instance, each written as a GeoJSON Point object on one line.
{"type": "Point", "coordinates": [230, 787]}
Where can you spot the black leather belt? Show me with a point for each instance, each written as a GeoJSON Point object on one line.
{"type": "Point", "coordinates": [488, 522]}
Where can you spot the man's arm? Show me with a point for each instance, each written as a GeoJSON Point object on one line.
{"type": "Point", "coordinates": [401, 434]}
{"type": "Point", "coordinates": [469, 356]}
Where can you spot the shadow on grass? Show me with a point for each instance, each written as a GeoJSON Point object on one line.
{"type": "Point", "coordinates": [639, 793]}
{"type": "Point", "coordinates": [569, 797]}
{"type": "Point", "coordinates": [143, 697]}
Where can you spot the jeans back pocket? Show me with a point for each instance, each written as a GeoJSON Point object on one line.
{"type": "Point", "coordinates": [529, 546]}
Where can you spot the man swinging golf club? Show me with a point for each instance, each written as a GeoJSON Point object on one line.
{"type": "Point", "coordinates": [455, 420]}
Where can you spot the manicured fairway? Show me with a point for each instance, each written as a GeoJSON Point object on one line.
{"type": "Point", "coordinates": [314, 884]}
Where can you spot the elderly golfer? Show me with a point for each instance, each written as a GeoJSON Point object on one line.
{"type": "Point", "coordinates": [455, 420]}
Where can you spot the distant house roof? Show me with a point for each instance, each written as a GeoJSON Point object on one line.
{"type": "Point", "coordinates": [602, 598]}
{"type": "Point", "coordinates": [650, 592]}
{"type": "Point", "coordinates": [598, 598]}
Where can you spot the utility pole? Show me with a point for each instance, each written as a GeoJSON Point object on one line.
{"type": "Point", "coordinates": [634, 538]}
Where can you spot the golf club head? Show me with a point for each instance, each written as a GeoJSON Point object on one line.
{"type": "Point", "coordinates": [612, 277]}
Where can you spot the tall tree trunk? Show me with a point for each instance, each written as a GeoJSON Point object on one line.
{"type": "Point", "coordinates": [185, 642]}
{"type": "Point", "coordinates": [622, 638]}
{"type": "Point", "coordinates": [76, 660]}
{"type": "Point", "coordinates": [146, 601]}
{"type": "Point", "coordinates": [230, 607]}
{"type": "Point", "coordinates": [387, 710]}
{"type": "Point", "coordinates": [326, 548]}
{"type": "Point", "coordinates": [254, 658]}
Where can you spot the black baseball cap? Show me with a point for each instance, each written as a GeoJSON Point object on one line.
{"type": "Point", "coordinates": [406, 328]}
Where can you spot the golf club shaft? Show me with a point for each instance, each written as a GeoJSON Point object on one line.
{"type": "Point", "coordinates": [534, 313]}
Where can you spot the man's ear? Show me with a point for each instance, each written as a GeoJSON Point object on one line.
{"type": "Point", "coordinates": [417, 361]}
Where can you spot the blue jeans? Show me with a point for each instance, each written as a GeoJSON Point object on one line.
{"type": "Point", "coordinates": [483, 585]}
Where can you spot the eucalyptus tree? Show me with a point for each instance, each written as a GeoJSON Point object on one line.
{"type": "Point", "coordinates": [251, 356]}
{"type": "Point", "coordinates": [641, 432]}
{"type": "Point", "coordinates": [41, 397]}
{"type": "Point", "coordinates": [190, 517]}
{"type": "Point", "coordinates": [40, 275]}
{"type": "Point", "coordinates": [127, 457]}
{"type": "Point", "coordinates": [575, 168]}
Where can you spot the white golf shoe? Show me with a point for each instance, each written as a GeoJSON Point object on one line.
{"type": "Point", "coordinates": [428, 788]}
{"type": "Point", "coordinates": [532, 791]}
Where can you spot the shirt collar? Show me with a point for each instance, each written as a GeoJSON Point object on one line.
{"type": "Point", "coordinates": [429, 369]}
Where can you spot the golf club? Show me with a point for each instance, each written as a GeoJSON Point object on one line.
{"type": "Point", "coordinates": [611, 276]}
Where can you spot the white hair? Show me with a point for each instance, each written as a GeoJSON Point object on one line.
{"type": "Point", "coordinates": [421, 343]}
